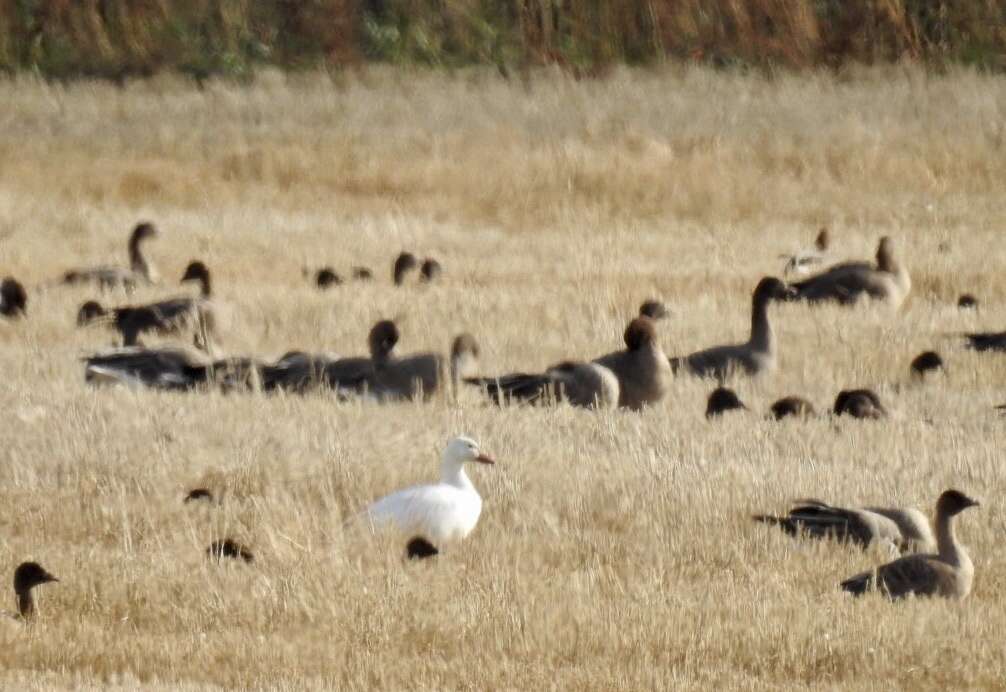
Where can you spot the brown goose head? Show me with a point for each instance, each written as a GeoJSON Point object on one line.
{"type": "Point", "coordinates": [926, 363]}
{"type": "Point", "coordinates": [722, 400]}
{"type": "Point", "coordinates": [654, 309]}
{"type": "Point", "coordinates": [885, 255]}
{"type": "Point", "coordinates": [229, 548]}
{"type": "Point", "coordinates": [382, 339]}
{"type": "Point", "coordinates": [28, 575]}
{"type": "Point", "coordinates": [362, 274]}
{"type": "Point", "coordinates": [419, 549]}
{"type": "Point", "coordinates": [197, 271]}
{"type": "Point", "coordinates": [823, 240]}
{"type": "Point", "coordinates": [405, 263]}
{"type": "Point", "coordinates": [792, 406]}
{"type": "Point", "coordinates": [142, 231]}
{"type": "Point", "coordinates": [640, 333]}
{"type": "Point", "coordinates": [89, 312]}
{"type": "Point", "coordinates": [326, 278]}
{"type": "Point", "coordinates": [771, 288]}
{"type": "Point", "coordinates": [859, 403]}
{"type": "Point", "coordinates": [954, 502]}
{"type": "Point", "coordinates": [13, 298]}
{"type": "Point", "coordinates": [431, 270]}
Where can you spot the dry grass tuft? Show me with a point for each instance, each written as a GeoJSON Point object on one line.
{"type": "Point", "coordinates": [615, 549]}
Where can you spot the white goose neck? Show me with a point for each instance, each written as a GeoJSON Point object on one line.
{"type": "Point", "coordinates": [453, 473]}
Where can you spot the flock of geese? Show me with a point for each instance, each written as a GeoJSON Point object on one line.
{"type": "Point", "coordinates": [632, 377]}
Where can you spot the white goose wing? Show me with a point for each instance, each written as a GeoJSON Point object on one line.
{"type": "Point", "coordinates": [439, 512]}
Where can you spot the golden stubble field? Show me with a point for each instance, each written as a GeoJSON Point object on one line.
{"type": "Point", "coordinates": [615, 549]}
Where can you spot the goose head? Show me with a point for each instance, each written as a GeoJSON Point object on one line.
{"type": "Point", "coordinates": [953, 502]}
{"type": "Point", "coordinates": [405, 263]}
{"type": "Point", "coordinates": [640, 333]}
{"type": "Point", "coordinates": [142, 231]}
{"type": "Point", "coordinates": [326, 278]}
{"type": "Point", "coordinates": [419, 549]}
{"type": "Point", "coordinates": [28, 575]}
{"type": "Point", "coordinates": [654, 309]}
{"type": "Point", "coordinates": [722, 400]}
{"type": "Point", "coordinates": [464, 355]}
{"type": "Point", "coordinates": [771, 288]}
{"type": "Point", "coordinates": [926, 363]}
{"type": "Point", "coordinates": [460, 450]}
{"type": "Point", "coordinates": [430, 270]}
{"type": "Point", "coordinates": [89, 312]}
{"type": "Point", "coordinates": [197, 271]}
{"type": "Point", "coordinates": [382, 339]}
{"type": "Point", "coordinates": [13, 298]}
{"type": "Point", "coordinates": [823, 240]}
{"type": "Point", "coordinates": [362, 274]}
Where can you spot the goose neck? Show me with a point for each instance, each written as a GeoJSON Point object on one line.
{"type": "Point", "coordinates": [762, 336]}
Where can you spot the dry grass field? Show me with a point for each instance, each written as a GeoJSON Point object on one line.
{"type": "Point", "coordinates": [615, 549]}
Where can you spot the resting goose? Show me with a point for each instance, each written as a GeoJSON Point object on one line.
{"type": "Point", "coordinates": [859, 403]}
{"type": "Point", "coordinates": [170, 316]}
{"type": "Point", "coordinates": [755, 356]}
{"type": "Point", "coordinates": [578, 383]}
{"type": "Point", "coordinates": [642, 369]}
{"type": "Point", "coordinates": [110, 277]}
{"type": "Point", "coordinates": [169, 369]}
{"type": "Point", "coordinates": [654, 309]}
{"type": "Point", "coordinates": [430, 270]}
{"type": "Point", "coordinates": [846, 283]}
{"type": "Point", "coordinates": [795, 406]}
{"type": "Point", "coordinates": [947, 573]}
{"type": "Point", "coordinates": [442, 512]}
{"type": "Point", "coordinates": [802, 262]}
{"type": "Point", "coordinates": [987, 341]}
{"type": "Point", "coordinates": [722, 400]}
{"type": "Point", "coordinates": [13, 298]}
{"type": "Point", "coordinates": [405, 263]}
{"type": "Point", "coordinates": [907, 529]}
{"type": "Point", "coordinates": [926, 363]}
{"type": "Point", "coordinates": [27, 576]}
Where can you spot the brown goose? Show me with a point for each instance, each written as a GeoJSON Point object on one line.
{"type": "Point", "coordinates": [13, 298]}
{"type": "Point", "coordinates": [588, 385]}
{"type": "Point", "coordinates": [404, 264]}
{"type": "Point", "coordinates": [722, 400]}
{"type": "Point", "coordinates": [110, 277]}
{"type": "Point", "coordinates": [926, 363]}
{"type": "Point", "coordinates": [170, 316]}
{"type": "Point", "coordinates": [846, 283]}
{"type": "Point", "coordinates": [859, 403]}
{"type": "Point", "coordinates": [906, 529]}
{"type": "Point", "coordinates": [27, 576]}
{"type": "Point", "coordinates": [795, 406]}
{"type": "Point", "coordinates": [643, 371]}
{"type": "Point", "coordinates": [430, 271]}
{"type": "Point", "coordinates": [755, 356]}
{"type": "Point", "coordinates": [947, 573]}
{"type": "Point", "coordinates": [169, 369]}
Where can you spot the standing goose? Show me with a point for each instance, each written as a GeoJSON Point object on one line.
{"type": "Point", "coordinates": [846, 283]}
{"type": "Point", "coordinates": [439, 513]}
{"type": "Point", "coordinates": [110, 277]}
{"type": "Point", "coordinates": [13, 298]}
{"type": "Point", "coordinates": [757, 355]}
{"type": "Point", "coordinates": [904, 528]}
{"type": "Point", "coordinates": [27, 576]}
{"type": "Point", "coordinates": [948, 572]}
{"type": "Point", "coordinates": [588, 385]}
{"type": "Point", "coordinates": [170, 316]}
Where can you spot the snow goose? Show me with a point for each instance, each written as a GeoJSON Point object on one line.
{"type": "Point", "coordinates": [110, 277]}
{"type": "Point", "coordinates": [846, 283]}
{"type": "Point", "coordinates": [27, 576]}
{"type": "Point", "coordinates": [441, 512]}
{"type": "Point", "coordinates": [903, 528]}
{"type": "Point", "coordinates": [13, 298]}
{"type": "Point", "coordinates": [756, 355]}
{"type": "Point", "coordinates": [947, 573]}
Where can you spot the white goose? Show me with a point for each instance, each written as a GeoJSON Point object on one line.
{"type": "Point", "coordinates": [442, 512]}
